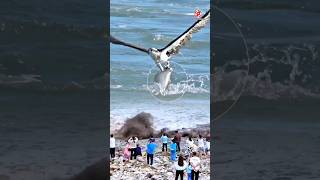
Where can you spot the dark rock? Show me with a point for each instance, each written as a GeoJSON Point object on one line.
{"type": "Point", "coordinates": [139, 126]}
{"type": "Point", "coordinates": [97, 171]}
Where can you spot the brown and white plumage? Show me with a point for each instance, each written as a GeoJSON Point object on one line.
{"type": "Point", "coordinates": [174, 46]}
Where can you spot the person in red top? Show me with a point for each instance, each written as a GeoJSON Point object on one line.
{"type": "Point", "coordinates": [177, 138]}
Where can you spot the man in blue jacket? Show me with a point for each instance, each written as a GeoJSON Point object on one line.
{"type": "Point", "coordinates": [151, 148]}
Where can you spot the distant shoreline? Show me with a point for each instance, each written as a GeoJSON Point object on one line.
{"type": "Point", "coordinates": [204, 130]}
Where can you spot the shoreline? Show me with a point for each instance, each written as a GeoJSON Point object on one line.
{"type": "Point", "coordinates": [142, 120]}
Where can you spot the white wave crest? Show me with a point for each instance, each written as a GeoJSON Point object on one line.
{"type": "Point", "coordinates": [115, 86]}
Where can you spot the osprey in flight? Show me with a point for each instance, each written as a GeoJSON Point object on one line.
{"type": "Point", "coordinates": [161, 56]}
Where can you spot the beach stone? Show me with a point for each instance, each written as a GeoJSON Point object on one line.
{"type": "Point", "coordinates": [169, 174]}
{"type": "Point", "coordinates": [114, 167]}
{"type": "Point", "coordinates": [157, 177]}
{"type": "Point", "coordinates": [156, 159]}
{"type": "Point", "coordinates": [141, 159]}
{"type": "Point", "coordinates": [149, 175]}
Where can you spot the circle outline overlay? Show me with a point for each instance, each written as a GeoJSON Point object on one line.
{"type": "Point", "coordinates": [184, 71]}
{"type": "Point", "coordinates": [248, 64]}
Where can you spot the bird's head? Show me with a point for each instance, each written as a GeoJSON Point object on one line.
{"type": "Point", "coordinates": [154, 53]}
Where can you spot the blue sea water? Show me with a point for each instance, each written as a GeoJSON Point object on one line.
{"type": "Point", "coordinates": [154, 24]}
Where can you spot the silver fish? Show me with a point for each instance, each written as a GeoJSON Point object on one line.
{"type": "Point", "coordinates": [163, 78]}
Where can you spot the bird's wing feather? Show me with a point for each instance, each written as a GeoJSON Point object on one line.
{"type": "Point", "coordinates": [114, 40]}
{"type": "Point", "coordinates": [174, 46]}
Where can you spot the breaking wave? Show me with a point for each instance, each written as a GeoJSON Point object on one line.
{"type": "Point", "coordinates": [276, 71]}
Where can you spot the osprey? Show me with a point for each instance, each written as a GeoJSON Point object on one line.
{"type": "Point", "coordinates": [162, 56]}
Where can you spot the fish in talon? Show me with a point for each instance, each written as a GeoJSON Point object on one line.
{"type": "Point", "coordinates": [164, 79]}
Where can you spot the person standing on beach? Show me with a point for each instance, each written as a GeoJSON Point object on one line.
{"type": "Point", "coordinates": [164, 139]}
{"type": "Point", "coordinates": [180, 166]}
{"type": "Point", "coordinates": [151, 148]}
{"type": "Point", "coordinates": [195, 163]}
{"type": "Point", "coordinates": [138, 151]}
{"type": "Point", "coordinates": [177, 138]}
{"type": "Point", "coordinates": [132, 147]}
{"type": "Point", "coordinates": [201, 142]}
{"type": "Point", "coordinates": [190, 145]}
{"type": "Point", "coordinates": [207, 146]}
{"type": "Point", "coordinates": [189, 170]}
{"type": "Point", "coordinates": [173, 150]}
{"type": "Point", "coordinates": [112, 146]}
{"type": "Point", "coordinates": [126, 152]}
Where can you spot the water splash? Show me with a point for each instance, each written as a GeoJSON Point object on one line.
{"type": "Point", "coordinates": [276, 71]}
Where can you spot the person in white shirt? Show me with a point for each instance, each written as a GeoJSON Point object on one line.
{"type": "Point", "coordinates": [201, 144]}
{"type": "Point", "coordinates": [112, 146]}
{"type": "Point", "coordinates": [190, 141]}
{"type": "Point", "coordinates": [180, 166]}
{"type": "Point", "coordinates": [132, 147]}
{"type": "Point", "coordinates": [190, 145]}
{"type": "Point", "coordinates": [196, 165]}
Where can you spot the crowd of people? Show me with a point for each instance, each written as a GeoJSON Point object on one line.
{"type": "Point", "coordinates": [188, 161]}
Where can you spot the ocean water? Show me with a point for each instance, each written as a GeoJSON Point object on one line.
{"type": "Point", "coordinates": [279, 106]}
{"type": "Point", "coordinates": [154, 24]}
{"type": "Point", "coordinates": [283, 46]}
{"type": "Point", "coordinates": [48, 45]}
{"type": "Point", "coordinates": [45, 47]}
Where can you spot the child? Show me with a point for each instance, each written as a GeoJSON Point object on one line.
{"type": "Point", "coordinates": [173, 150]}
{"type": "Point", "coordinates": [164, 139]}
{"type": "Point", "coordinates": [126, 153]}
{"type": "Point", "coordinates": [138, 150]}
{"type": "Point", "coordinates": [189, 169]}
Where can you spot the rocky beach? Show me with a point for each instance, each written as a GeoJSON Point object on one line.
{"type": "Point", "coordinates": [139, 169]}
{"type": "Point", "coordinates": [142, 127]}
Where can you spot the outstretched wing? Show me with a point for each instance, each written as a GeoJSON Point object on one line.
{"type": "Point", "coordinates": [174, 46]}
{"type": "Point", "coordinates": [114, 40]}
